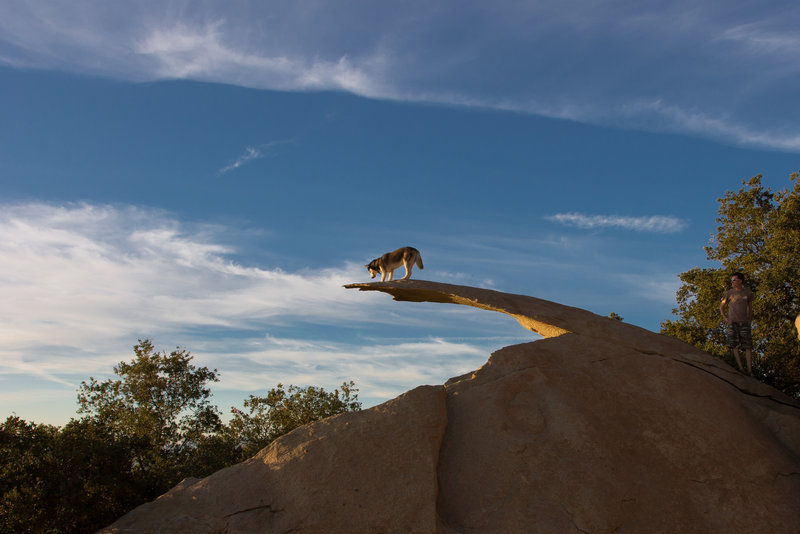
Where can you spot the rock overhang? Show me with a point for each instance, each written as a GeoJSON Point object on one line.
{"type": "Point", "coordinates": [552, 320]}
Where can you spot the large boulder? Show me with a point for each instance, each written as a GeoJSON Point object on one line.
{"type": "Point", "coordinates": [599, 427]}
{"type": "Point", "coordinates": [364, 472]}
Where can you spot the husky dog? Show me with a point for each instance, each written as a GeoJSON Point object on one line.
{"type": "Point", "coordinates": [386, 264]}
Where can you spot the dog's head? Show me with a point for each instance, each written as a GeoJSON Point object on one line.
{"type": "Point", "coordinates": [372, 267]}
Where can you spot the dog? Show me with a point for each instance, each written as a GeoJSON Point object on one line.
{"type": "Point", "coordinates": [386, 264]}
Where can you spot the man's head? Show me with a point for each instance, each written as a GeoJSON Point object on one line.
{"type": "Point", "coordinates": [737, 279]}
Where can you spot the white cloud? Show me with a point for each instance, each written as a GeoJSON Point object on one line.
{"type": "Point", "coordinates": [382, 370]}
{"type": "Point", "coordinates": [252, 153]}
{"type": "Point", "coordinates": [759, 39]}
{"type": "Point", "coordinates": [183, 51]}
{"type": "Point", "coordinates": [622, 58]}
{"type": "Point", "coordinates": [80, 283]}
{"type": "Point", "coordinates": [75, 274]}
{"type": "Point", "coordinates": [676, 118]}
{"type": "Point", "coordinates": [653, 223]}
{"type": "Point", "coordinates": [249, 155]}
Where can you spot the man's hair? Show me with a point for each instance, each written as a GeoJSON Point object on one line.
{"type": "Point", "coordinates": [740, 276]}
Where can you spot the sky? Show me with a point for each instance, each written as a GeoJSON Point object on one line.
{"type": "Point", "coordinates": [209, 174]}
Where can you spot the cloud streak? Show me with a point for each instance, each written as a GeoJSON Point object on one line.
{"type": "Point", "coordinates": [252, 153]}
{"type": "Point", "coordinates": [654, 223]}
{"type": "Point", "coordinates": [74, 272]}
{"type": "Point", "coordinates": [81, 282]}
{"type": "Point", "coordinates": [183, 51]}
{"type": "Point", "coordinates": [617, 65]}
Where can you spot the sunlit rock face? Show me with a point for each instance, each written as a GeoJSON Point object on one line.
{"type": "Point", "coordinates": [599, 427]}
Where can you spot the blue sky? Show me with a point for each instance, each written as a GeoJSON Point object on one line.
{"type": "Point", "coordinates": [209, 174]}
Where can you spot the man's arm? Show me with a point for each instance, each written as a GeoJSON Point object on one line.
{"type": "Point", "coordinates": [722, 309]}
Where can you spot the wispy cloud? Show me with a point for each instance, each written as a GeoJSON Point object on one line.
{"type": "Point", "coordinates": [185, 51]}
{"type": "Point", "coordinates": [80, 283]}
{"type": "Point", "coordinates": [653, 223]}
{"type": "Point", "coordinates": [673, 117]}
{"type": "Point", "coordinates": [759, 39]}
{"type": "Point", "coordinates": [71, 273]}
{"type": "Point", "coordinates": [252, 153]}
{"type": "Point", "coordinates": [620, 56]}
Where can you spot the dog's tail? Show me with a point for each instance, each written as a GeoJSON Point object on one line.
{"type": "Point", "coordinates": [419, 261]}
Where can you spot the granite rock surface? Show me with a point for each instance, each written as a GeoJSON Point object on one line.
{"type": "Point", "coordinates": [599, 427]}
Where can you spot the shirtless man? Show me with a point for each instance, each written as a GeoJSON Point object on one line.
{"type": "Point", "coordinates": [740, 315]}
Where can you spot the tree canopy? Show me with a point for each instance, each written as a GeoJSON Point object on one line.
{"type": "Point", "coordinates": [139, 435]}
{"type": "Point", "coordinates": [283, 410]}
{"type": "Point", "coordinates": [758, 234]}
{"type": "Point", "coordinates": [159, 406]}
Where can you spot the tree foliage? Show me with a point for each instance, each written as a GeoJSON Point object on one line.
{"type": "Point", "coordinates": [159, 406]}
{"type": "Point", "coordinates": [62, 480]}
{"type": "Point", "coordinates": [27, 493]}
{"type": "Point", "coordinates": [283, 410]}
{"type": "Point", "coordinates": [758, 234]}
{"type": "Point", "coordinates": [140, 434]}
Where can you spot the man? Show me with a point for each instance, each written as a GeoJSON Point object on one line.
{"type": "Point", "coordinates": [740, 315]}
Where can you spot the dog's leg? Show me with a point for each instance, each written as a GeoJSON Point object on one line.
{"type": "Point", "coordinates": [383, 276]}
{"type": "Point", "coordinates": [391, 275]}
{"type": "Point", "coordinates": [408, 267]}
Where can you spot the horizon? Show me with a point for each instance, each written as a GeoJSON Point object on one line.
{"type": "Point", "coordinates": [208, 177]}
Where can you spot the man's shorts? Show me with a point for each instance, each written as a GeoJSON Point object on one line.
{"type": "Point", "coordinates": [739, 336]}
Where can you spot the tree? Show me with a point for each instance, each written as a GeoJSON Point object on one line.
{"type": "Point", "coordinates": [61, 480]}
{"type": "Point", "coordinates": [95, 482]}
{"type": "Point", "coordinates": [159, 407]}
{"type": "Point", "coordinates": [27, 491]}
{"type": "Point", "coordinates": [758, 235]}
{"type": "Point", "coordinates": [283, 410]}
{"type": "Point", "coordinates": [141, 434]}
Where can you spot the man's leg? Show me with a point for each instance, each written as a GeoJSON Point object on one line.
{"type": "Point", "coordinates": [738, 360]}
{"type": "Point", "coordinates": [732, 335]}
{"type": "Point", "coordinates": [748, 354]}
{"type": "Point", "coordinates": [746, 342]}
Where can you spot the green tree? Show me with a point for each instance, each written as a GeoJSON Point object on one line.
{"type": "Point", "coordinates": [758, 234]}
{"type": "Point", "coordinates": [159, 406]}
{"type": "Point", "coordinates": [27, 489]}
{"type": "Point", "coordinates": [61, 480]}
{"type": "Point", "coordinates": [141, 434]}
{"type": "Point", "coordinates": [95, 483]}
{"type": "Point", "coordinates": [283, 410]}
